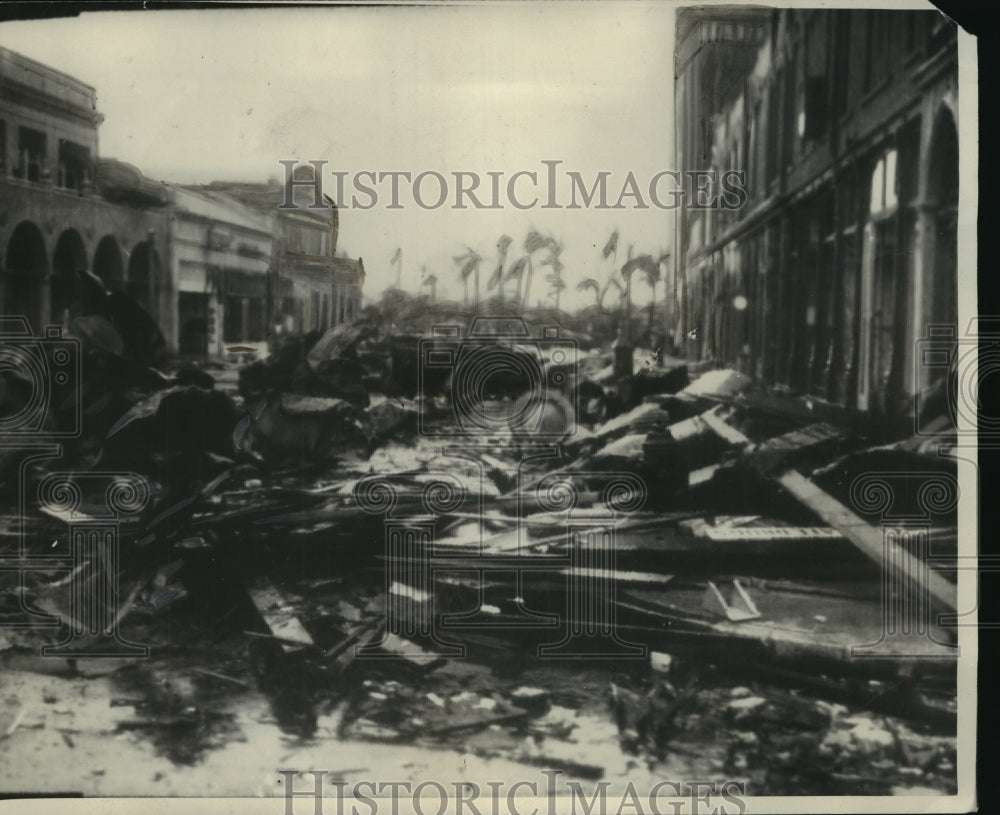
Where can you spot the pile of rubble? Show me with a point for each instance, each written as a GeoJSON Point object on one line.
{"type": "Point", "coordinates": [706, 553]}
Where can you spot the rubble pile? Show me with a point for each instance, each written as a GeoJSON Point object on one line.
{"type": "Point", "coordinates": [713, 526]}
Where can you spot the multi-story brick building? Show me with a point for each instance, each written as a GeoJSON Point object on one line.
{"type": "Point", "coordinates": [61, 208]}
{"type": "Point", "coordinates": [216, 266]}
{"type": "Point", "coordinates": [311, 289]}
{"type": "Point", "coordinates": [845, 126]}
{"type": "Point", "coordinates": [219, 262]}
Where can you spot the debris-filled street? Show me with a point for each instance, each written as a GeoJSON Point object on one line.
{"type": "Point", "coordinates": [504, 408]}
{"type": "Point", "coordinates": [284, 621]}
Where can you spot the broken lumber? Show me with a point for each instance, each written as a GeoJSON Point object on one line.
{"type": "Point", "coordinates": [279, 616]}
{"type": "Point", "coordinates": [718, 425]}
{"type": "Point", "coordinates": [740, 606]}
{"type": "Point", "coordinates": [867, 538]}
{"type": "Point", "coordinates": [778, 452]}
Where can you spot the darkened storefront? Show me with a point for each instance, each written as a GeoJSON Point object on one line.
{"type": "Point", "coordinates": [244, 297]}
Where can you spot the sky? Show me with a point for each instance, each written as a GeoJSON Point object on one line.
{"type": "Point", "coordinates": [226, 94]}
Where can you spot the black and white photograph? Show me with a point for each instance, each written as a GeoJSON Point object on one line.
{"type": "Point", "coordinates": [495, 408]}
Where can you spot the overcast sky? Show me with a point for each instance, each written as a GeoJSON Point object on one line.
{"type": "Point", "coordinates": [193, 96]}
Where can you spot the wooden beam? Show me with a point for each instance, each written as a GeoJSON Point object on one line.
{"type": "Point", "coordinates": [719, 426]}
{"type": "Point", "coordinates": [278, 613]}
{"type": "Point", "coordinates": [867, 538]}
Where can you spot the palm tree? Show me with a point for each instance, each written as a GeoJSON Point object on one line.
{"type": "Point", "coordinates": [429, 280]}
{"type": "Point", "coordinates": [612, 281]}
{"type": "Point", "coordinates": [664, 262]}
{"type": "Point", "coordinates": [469, 263]}
{"type": "Point", "coordinates": [593, 286]}
{"type": "Point", "coordinates": [555, 277]}
{"type": "Point", "coordinates": [651, 272]}
{"type": "Point", "coordinates": [532, 244]}
{"type": "Point", "coordinates": [517, 270]}
{"type": "Point", "coordinates": [397, 261]}
{"type": "Point", "coordinates": [645, 263]}
{"type": "Point", "coordinates": [502, 246]}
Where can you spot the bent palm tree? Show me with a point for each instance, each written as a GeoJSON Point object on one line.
{"type": "Point", "coordinates": [469, 263]}
{"type": "Point", "coordinates": [532, 244]}
{"type": "Point", "coordinates": [652, 273]}
{"type": "Point", "coordinates": [591, 285]}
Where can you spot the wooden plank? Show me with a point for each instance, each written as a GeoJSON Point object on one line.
{"type": "Point", "coordinates": [867, 538]}
{"type": "Point", "coordinates": [774, 454]}
{"type": "Point", "coordinates": [279, 616]}
{"type": "Point", "coordinates": [718, 426]}
{"type": "Point", "coordinates": [770, 533]}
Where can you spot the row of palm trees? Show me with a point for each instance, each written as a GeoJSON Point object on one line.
{"type": "Point", "coordinates": [544, 252]}
{"type": "Point", "coordinates": [646, 264]}
{"type": "Point", "coordinates": [539, 250]}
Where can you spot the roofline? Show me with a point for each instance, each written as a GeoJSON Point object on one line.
{"type": "Point", "coordinates": [54, 73]}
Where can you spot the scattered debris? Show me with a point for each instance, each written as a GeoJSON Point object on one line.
{"type": "Point", "coordinates": [742, 555]}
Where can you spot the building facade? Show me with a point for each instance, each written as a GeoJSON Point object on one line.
{"type": "Point", "coordinates": [309, 287]}
{"type": "Point", "coordinates": [845, 251]}
{"type": "Point", "coordinates": [61, 208]}
{"type": "Point", "coordinates": [220, 259]}
{"type": "Point", "coordinates": [217, 267]}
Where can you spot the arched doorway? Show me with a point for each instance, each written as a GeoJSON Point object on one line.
{"type": "Point", "coordinates": [143, 271]}
{"type": "Point", "coordinates": [69, 258]}
{"type": "Point", "coordinates": [25, 269]}
{"type": "Point", "coordinates": [942, 187]}
{"type": "Point", "coordinates": [108, 263]}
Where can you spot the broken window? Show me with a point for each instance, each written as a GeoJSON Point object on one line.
{"type": "Point", "coordinates": [74, 165]}
{"type": "Point", "coordinates": [813, 99]}
{"type": "Point", "coordinates": [841, 61]}
{"type": "Point", "coordinates": [883, 194]}
{"type": "Point", "coordinates": [878, 46]}
{"type": "Point", "coordinates": [301, 239]}
{"type": "Point", "coordinates": [31, 155]}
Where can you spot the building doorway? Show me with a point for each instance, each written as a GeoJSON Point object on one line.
{"type": "Point", "coordinates": [26, 268]}
{"type": "Point", "coordinates": [193, 313]}
{"type": "Point", "coordinates": [108, 264]}
{"type": "Point", "coordinates": [70, 257]}
{"type": "Point", "coordinates": [143, 272]}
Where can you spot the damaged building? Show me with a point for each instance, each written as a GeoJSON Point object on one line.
{"type": "Point", "coordinates": [215, 267]}
{"type": "Point", "coordinates": [491, 546]}
{"type": "Point", "coordinates": [62, 209]}
{"type": "Point", "coordinates": [844, 123]}
{"type": "Point", "coordinates": [310, 288]}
